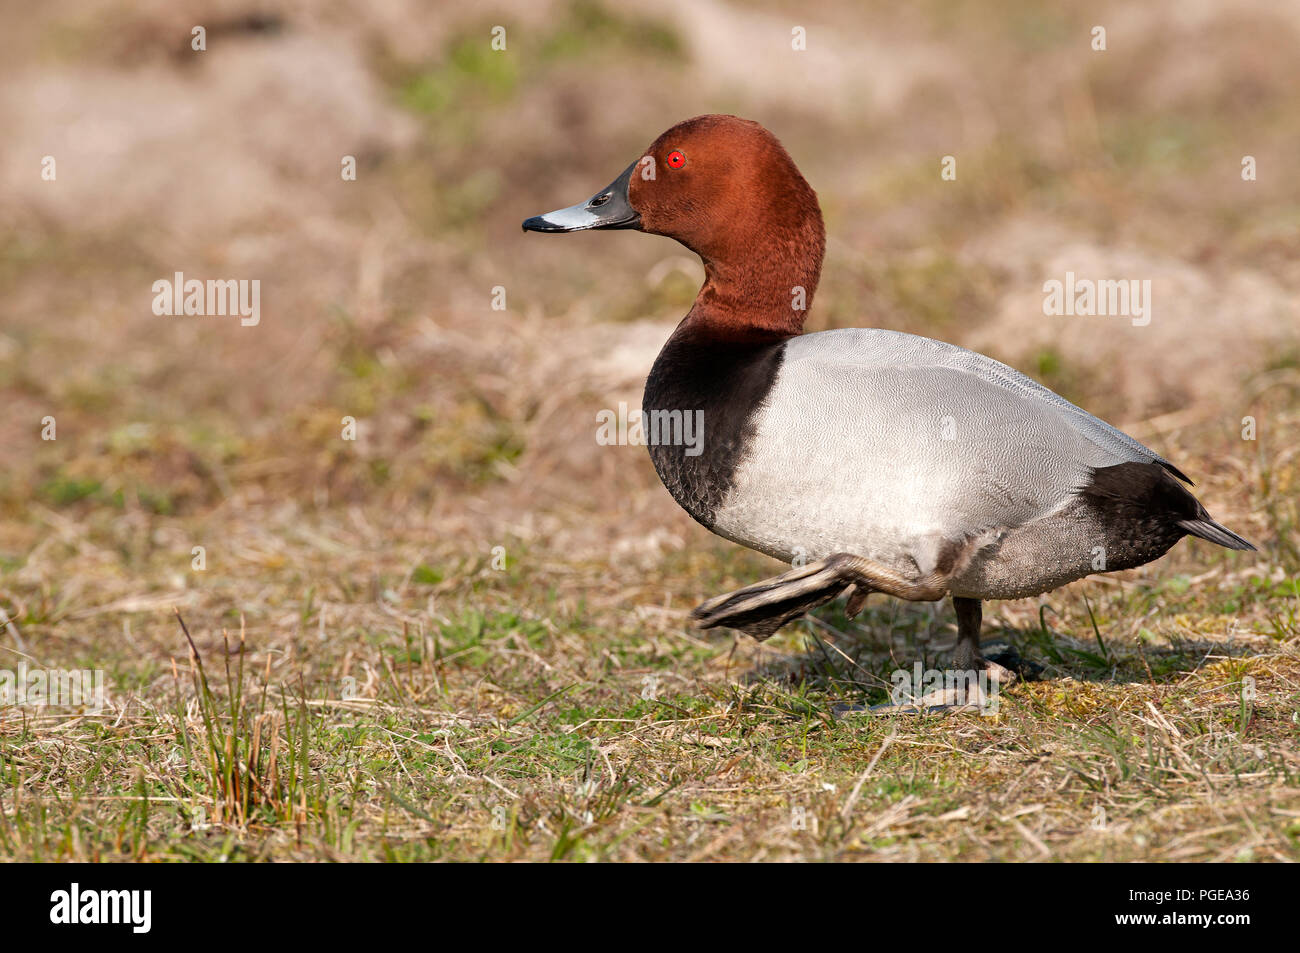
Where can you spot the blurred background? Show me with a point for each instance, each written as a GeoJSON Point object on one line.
{"type": "Point", "coordinates": [476, 426]}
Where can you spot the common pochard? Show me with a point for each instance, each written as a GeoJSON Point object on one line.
{"type": "Point", "coordinates": [874, 461]}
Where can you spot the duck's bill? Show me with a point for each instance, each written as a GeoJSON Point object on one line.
{"type": "Point", "coordinates": [608, 208]}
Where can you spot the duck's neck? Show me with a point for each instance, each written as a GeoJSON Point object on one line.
{"type": "Point", "coordinates": [762, 285]}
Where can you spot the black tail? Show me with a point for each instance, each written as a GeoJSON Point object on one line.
{"type": "Point", "coordinates": [1146, 501]}
{"type": "Point", "coordinates": [1206, 528]}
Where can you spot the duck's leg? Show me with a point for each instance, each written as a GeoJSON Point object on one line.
{"type": "Point", "coordinates": [761, 609]}
{"type": "Point", "coordinates": [966, 684]}
{"type": "Point", "coordinates": [970, 616]}
{"type": "Point", "coordinates": [1003, 666]}
{"type": "Point", "coordinates": [966, 657]}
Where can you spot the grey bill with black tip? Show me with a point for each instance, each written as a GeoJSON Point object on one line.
{"type": "Point", "coordinates": [608, 208]}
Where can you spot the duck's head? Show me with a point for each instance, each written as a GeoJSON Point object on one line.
{"type": "Point", "coordinates": [726, 189]}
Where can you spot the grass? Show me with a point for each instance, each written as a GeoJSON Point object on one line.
{"type": "Point", "coordinates": [420, 706]}
{"type": "Point", "coordinates": [366, 685]}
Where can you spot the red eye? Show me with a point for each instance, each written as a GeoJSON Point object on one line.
{"type": "Point", "coordinates": [676, 160]}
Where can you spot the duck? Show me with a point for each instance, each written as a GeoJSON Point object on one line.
{"type": "Point", "coordinates": [870, 460]}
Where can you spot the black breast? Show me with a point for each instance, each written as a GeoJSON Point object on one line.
{"type": "Point", "coordinates": [721, 383]}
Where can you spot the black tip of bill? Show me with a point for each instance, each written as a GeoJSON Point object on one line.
{"type": "Point", "coordinates": [540, 223]}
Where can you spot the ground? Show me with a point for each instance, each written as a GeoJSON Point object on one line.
{"type": "Point", "coordinates": [464, 635]}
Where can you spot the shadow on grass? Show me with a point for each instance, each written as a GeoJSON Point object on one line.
{"type": "Point", "coordinates": [853, 660]}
